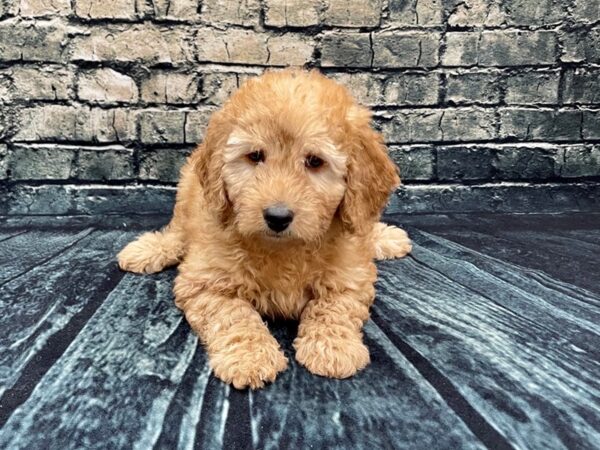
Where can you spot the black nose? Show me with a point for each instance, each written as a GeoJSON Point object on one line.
{"type": "Point", "coordinates": [278, 217]}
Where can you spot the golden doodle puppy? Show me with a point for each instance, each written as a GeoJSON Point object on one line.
{"type": "Point", "coordinates": [277, 215]}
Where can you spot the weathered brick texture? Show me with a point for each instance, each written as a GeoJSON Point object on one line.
{"type": "Point", "coordinates": [466, 92]}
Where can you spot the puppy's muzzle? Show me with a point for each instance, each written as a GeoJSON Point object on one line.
{"type": "Point", "coordinates": [278, 217]}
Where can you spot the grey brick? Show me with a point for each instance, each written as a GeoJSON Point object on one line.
{"type": "Point", "coordinates": [415, 162]}
{"type": "Point", "coordinates": [346, 50]}
{"type": "Point", "coordinates": [462, 49]}
{"type": "Point", "coordinates": [102, 9]}
{"type": "Point", "coordinates": [39, 8]}
{"type": "Point", "coordinates": [10, 118]}
{"type": "Point", "coordinates": [587, 11]}
{"type": "Point", "coordinates": [532, 88]}
{"type": "Point", "coordinates": [162, 164]}
{"type": "Point", "coordinates": [499, 162]}
{"type": "Point", "coordinates": [48, 82]}
{"type": "Point", "coordinates": [539, 162]}
{"type": "Point", "coordinates": [32, 41]}
{"type": "Point", "coordinates": [171, 88]}
{"type": "Point", "coordinates": [182, 10]}
{"type": "Point", "coordinates": [405, 49]}
{"type": "Point", "coordinates": [464, 163]}
{"type": "Point", "coordinates": [248, 47]}
{"type": "Point", "coordinates": [238, 12]}
{"type": "Point", "coordinates": [70, 123]}
{"type": "Point", "coordinates": [395, 89]}
{"type": "Point", "coordinates": [3, 161]}
{"type": "Point", "coordinates": [582, 85]}
{"type": "Point", "coordinates": [416, 12]}
{"type": "Point", "coordinates": [475, 13]}
{"type": "Point", "coordinates": [539, 124]}
{"type": "Point", "coordinates": [107, 86]}
{"type": "Point", "coordinates": [162, 127]}
{"type": "Point", "coordinates": [217, 87]}
{"type": "Point", "coordinates": [448, 125]}
{"type": "Point", "coordinates": [581, 46]}
{"type": "Point", "coordinates": [145, 43]}
{"type": "Point", "coordinates": [534, 13]}
{"type": "Point", "coordinates": [352, 13]}
{"type": "Point", "coordinates": [591, 125]}
{"type": "Point", "coordinates": [283, 13]}
{"type": "Point", "coordinates": [517, 48]}
{"type": "Point", "coordinates": [105, 163]}
{"type": "Point", "coordinates": [195, 125]}
{"type": "Point", "coordinates": [473, 87]}
{"type": "Point", "coordinates": [41, 162]}
{"type": "Point", "coordinates": [581, 161]}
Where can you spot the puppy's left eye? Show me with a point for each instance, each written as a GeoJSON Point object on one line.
{"type": "Point", "coordinates": [313, 162]}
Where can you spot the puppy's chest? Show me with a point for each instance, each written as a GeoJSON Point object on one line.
{"type": "Point", "coordinates": [279, 288]}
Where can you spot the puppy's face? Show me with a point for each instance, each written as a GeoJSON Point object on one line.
{"type": "Point", "coordinates": [290, 153]}
{"type": "Point", "coordinates": [284, 176]}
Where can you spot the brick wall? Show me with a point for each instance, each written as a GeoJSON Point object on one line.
{"type": "Point", "coordinates": [485, 104]}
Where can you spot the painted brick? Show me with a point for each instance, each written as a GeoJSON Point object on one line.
{"type": "Point", "coordinates": [48, 82]}
{"type": "Point", "coordinates": [181, 10]}
{"type": "Point", "coordinates": [33, 40]}
{"type": "Point", "coordinates": [473, 87]}
{"type": "Point", "coordinates": [195, 125]}
{"type": "Point", "coordinates": [581, 46]}
{"type": "Point", "coordinates": [532, 88]}
{"type": "Point", "coordinates": [102, 9]}
{"type": "Point", "coordinates": [416, 12]}
{"type": "Point", "coordinates": [475, 13]}
{"type": "Point", "coordinates": [582, 86]}
{"type": "Point", "coordinates": [540, 124]}
{"type": "Point", "coordinates": [581, 161]}
{"type": "Point", "coordinates": [162, 127]}
{"type": "Point", "coordinates": [534, 13]}
{"type": "Point", "coordinates": [415, 162]}
{"type": "Point", "coordinates": [172, 88]}
{"type": "Point", "coordinates": [448, 125]}
{"type": "Point", "coordinates": [591, 125]}
{"type": "Point", "coordinates": [587, 11]}
{"type": "Point", "coordinates": [162, 164]}
{"type": "Point", "coordinates": [3, 161]}
{"type": "Point", "coordinates": [346, 50]}
{"type": "Point", "coordinates": [462, 49]}
{"type": "Point", "coordinates": [107, 86]}
{"type": "Point", "coordinates": [39, 8]}
{"type": "Point", "coordinates": [285, 13]}
{"type": "Point", "coordinates": [517, 48]}
{"type": "Point", "coordinates": [405, 49]}
{"type": "Point", "coordinates": [352, 13]}
{"type": "Point", "coordinates": [41, 162]}
{"type": "Point", "coordinates": [145, 43]}
{"type": "Point", "coordinates": [248, 47]}
{"type": "Point", "coordinates": [395, 89]}
{"type": "Point", "coordinates": [105, 163]}
{"type": "Point", "coordinates": [238, 12]}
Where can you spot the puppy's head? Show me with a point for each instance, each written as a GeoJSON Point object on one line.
{"type": "Point", "coordinates": [291, 152]}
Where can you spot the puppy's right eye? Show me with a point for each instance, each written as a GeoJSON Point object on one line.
{"type": "Point", "coordinates": [256, 157]}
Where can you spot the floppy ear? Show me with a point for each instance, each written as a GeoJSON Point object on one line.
{"type": "Point", "coordinates": [371, 176]}
{"type": "Point", "coordinates": [207, 161]}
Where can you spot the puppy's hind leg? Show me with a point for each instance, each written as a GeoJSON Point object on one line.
{"type": "Point", "coordinates": [153, 251]}
{"type": "Point", "coordinates": [390, 241]}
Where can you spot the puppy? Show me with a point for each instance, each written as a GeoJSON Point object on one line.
{"type": "Point", "coordinates": [277, 216]}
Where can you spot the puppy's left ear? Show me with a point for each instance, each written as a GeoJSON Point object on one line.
{"type": "Point", "coordinates": [207, 161]}
{"type": "Point", "coordinates": [371, 176]}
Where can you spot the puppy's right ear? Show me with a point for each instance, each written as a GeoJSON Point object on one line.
{"type": "Point", "coordinates": [207, 161]}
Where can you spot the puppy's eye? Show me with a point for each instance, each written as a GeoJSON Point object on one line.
{"type": "Point", "coordinates": [256, 157]}
{"type": "Point", "coordinates": [313, 162]}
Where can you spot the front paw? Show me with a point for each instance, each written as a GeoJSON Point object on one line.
{"type": "Point", "coordinates": [391, 242]}
{"type": "Point", "coordinates": [249, 363]}
{"type": "Point", "coordinates": [329, 355]}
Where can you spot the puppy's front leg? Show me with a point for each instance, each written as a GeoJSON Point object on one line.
{"type": "Point", "coordinates": [329, 341]}
{"type": "Point", "coordinates": [240, 348]}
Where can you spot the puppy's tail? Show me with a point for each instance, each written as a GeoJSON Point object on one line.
{"type": "Point", "coordinates": [390, 241]}
{"type": "Point", "coordinates": [152, 252]}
